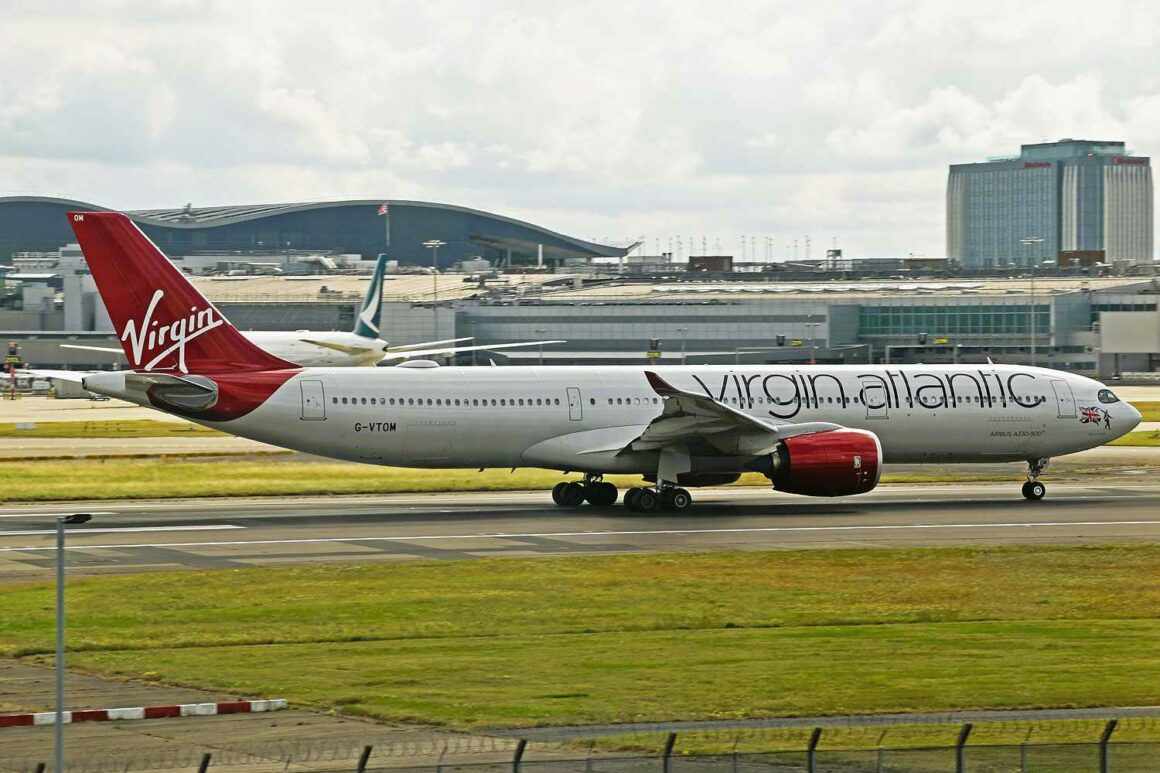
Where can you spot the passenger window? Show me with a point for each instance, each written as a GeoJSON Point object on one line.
{"type": "Point", "coordinates": [344, 401]}
{"type": "Point", "coordinates": [1106, 396]}
{"type": "Point", "coordinates": [334, 400]}
{"type": "Point", "coordinates": [610, 401]}
{"type": "Point", "coordinates": [558, 401]}
{"type": "Point", "coordinates": [592, 401]}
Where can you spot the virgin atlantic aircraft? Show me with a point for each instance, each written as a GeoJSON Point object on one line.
{"type": "Point", "coordinates": [813, 430]}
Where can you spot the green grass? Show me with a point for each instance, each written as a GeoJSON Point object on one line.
{"type": "Point", "coordinates": [1150, 411]}
{"type": "Point", "coordinates": [160, 478]}
{"type": "Point", "coordinates": [1149, 438]}
{"type": "Point", "coordinates": [631, 638]}
{"type": "Point", "coordinates": [129, 428]}
{"type": "Point", "coordinates": [175, 476]}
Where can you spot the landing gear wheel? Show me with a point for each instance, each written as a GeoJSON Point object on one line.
{"type": "Point", "coordinates": [600, 494]}
{"type": "Point", "coordinates": [1034, 490]}
{"type": "Point", "coordinates": [646, 501]}
{"type": "Point", "coordinates": [572, 495]}
{"type": "Point", "coordinates": [676, 499]}
{"type": "Point", "coordinates": [558, 493]}
{"type": "Point", "coordinates": [630, 498]}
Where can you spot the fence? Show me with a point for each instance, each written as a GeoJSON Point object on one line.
{"type": "Point", "coordinates": [651, 754]}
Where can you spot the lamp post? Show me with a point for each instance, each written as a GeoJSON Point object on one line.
{"type": "Point", "coordinates": [1028, 242]}
{"type": "Point", "coordinates": [540, 334]}
{"type": "Point", "coordinates": [58, 724]}
{"type": "Point", "coordinates": [684, 331]}
{"type": "Point", "coordinates": [434, 245]}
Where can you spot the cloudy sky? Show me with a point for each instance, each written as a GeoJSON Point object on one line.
{"type": "Point", "coordinates": [606, 120]}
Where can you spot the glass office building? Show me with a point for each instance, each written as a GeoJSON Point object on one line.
{"type": "Point", "coordinates": [1066, 196]}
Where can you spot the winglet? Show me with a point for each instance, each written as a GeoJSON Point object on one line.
{"type": "Point", "coordinates": [659, 385]}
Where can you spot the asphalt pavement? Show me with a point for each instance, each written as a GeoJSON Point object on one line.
{"type": "Point", "coordinates": [226, 533]}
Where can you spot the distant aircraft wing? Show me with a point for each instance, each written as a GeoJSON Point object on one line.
{"type": "Point", "coordinates": [426, 344]}
{"type": "Point", "coordinates": [353, 350]}
{"type": "Point", "coordinates": [688, 417]}
{"type": "Point", "coordinates": [453, 349]}
{"type": "Point", "coordinates": [75, 376]}
{"type": "Point", "coordinates": [94, 348]}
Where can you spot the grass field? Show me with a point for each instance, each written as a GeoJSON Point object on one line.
{"type": "Point", "coordinates": [1150, 438]}
{"type": "Point", "coordinates": [1149, 411]}
{"type": "Point", "coordinates": [629, 638]}
{"type": "Point", "coordinates": [129, 428]}
{"type": "Point", "coordinates": [175, 477]}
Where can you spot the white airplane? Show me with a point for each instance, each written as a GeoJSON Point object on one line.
{"type": "Point", "coordinates": [341, 349]}
{"type": "Point", "coordinates": [814, 430]}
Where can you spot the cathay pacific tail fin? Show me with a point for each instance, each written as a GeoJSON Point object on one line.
{"type": "Point", "coordinates": [367, 323]}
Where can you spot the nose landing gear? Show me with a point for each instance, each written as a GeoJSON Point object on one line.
{"type": "Point", "coordinates": [1033, 489]}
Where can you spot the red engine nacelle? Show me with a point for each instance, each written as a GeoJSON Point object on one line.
{"type": "Point", "coordinates": [827, 464]}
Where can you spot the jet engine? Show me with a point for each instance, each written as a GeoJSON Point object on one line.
{"type": "Point", "coordinates": [827, 464]}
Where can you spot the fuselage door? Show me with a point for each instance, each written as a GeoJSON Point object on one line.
{"type": "Point", "coordinates": [575, 407]}
{"type": "Point", "coordinates": [1064, 399]}
{"type": "Point", "coordinates": [874, 396]}
{"type": "Point", "coordinates": [313, 400]}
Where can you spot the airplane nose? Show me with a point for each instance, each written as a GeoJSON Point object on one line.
{"type": "Point", "coordinates": [1135, 416]}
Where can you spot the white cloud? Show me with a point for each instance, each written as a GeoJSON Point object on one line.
{"type": "Point", "coordinates": [834, 119]}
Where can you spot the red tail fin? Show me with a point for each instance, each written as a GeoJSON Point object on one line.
{"type": "Point", "coordinates": [164, 323]}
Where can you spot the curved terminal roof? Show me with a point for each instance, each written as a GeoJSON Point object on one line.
{"type": "Point", "coordinates": [456, 224]}
{"type": "Point", "coordinates": [200, 217]}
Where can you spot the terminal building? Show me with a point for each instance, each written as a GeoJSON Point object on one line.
{"type": "Point", "coordinates": [1072, 200]}
{"type": "Point", "coordinates": [606, 313]}
{"type": "Point", "coordinates": [366, 228]}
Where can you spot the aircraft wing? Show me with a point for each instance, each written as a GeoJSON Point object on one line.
{"type": "Point", "coordinates": [75, 376]}
{"type": "Point", "coordinates": [453, 349]}
{"type": "Point", "coordinates": [352, 350]}
{"type": "Point", "coordinates": [426, 344]}
{"type": "Point", "coordinates": [688, 416]}
{"type": "Point", "coordinates": [110, 349]}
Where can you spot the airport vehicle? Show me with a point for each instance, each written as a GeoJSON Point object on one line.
{"type": "Point", "coordinates": [359, 347]}
{"type": "Point", "coordinates": [812, 430]}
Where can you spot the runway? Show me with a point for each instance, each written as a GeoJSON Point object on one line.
{"type": "Point", "coordinates": [231, 533]}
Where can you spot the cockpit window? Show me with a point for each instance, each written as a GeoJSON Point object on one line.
{"type": "Point", "coordinates": [1107, 396]}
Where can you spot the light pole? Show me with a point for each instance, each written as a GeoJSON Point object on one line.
{"type": "Point", "coordinates": [1028, 242]}
{"type": "Point", "coordinates": [684, 331]}
{"type": "Point", "coordinates": [540, 334]}
{"type": "Point", "coordinates": [58, 724]}
{"type": "Point", "coordinates": [434, 245]}
{"type": "Point", "coordinates": [813, 326]}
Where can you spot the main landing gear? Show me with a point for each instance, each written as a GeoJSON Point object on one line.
{"type": "Point", "coordinates": [592, 490]}
{"type": "Point", "coordinates": [1033, 489]}
{"type": "Point", "coordinates": [647, 500]}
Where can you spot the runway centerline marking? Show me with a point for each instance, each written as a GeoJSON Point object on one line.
{"type": "Point", "coordinates": [123, 529]}
{"type": "Point", "coordinates": [630, 533]}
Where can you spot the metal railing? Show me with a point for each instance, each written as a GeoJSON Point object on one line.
{"type": "Point", "coordinates": [653, 753]}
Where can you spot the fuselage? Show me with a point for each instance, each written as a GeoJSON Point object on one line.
{"type": "Point", "coordinates": [581, 418]}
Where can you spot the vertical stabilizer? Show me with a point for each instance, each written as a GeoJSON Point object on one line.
{"type": "Point", "coordinates": [367, 323]}
{"type": "Point", "coordinates": [165, 324]}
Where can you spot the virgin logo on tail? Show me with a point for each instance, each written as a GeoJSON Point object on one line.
{"type": "Point", "coordinates": [156, 341]}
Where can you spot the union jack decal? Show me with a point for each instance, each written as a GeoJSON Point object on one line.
{"type": "Point", "coordinates": [1090, 415]}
